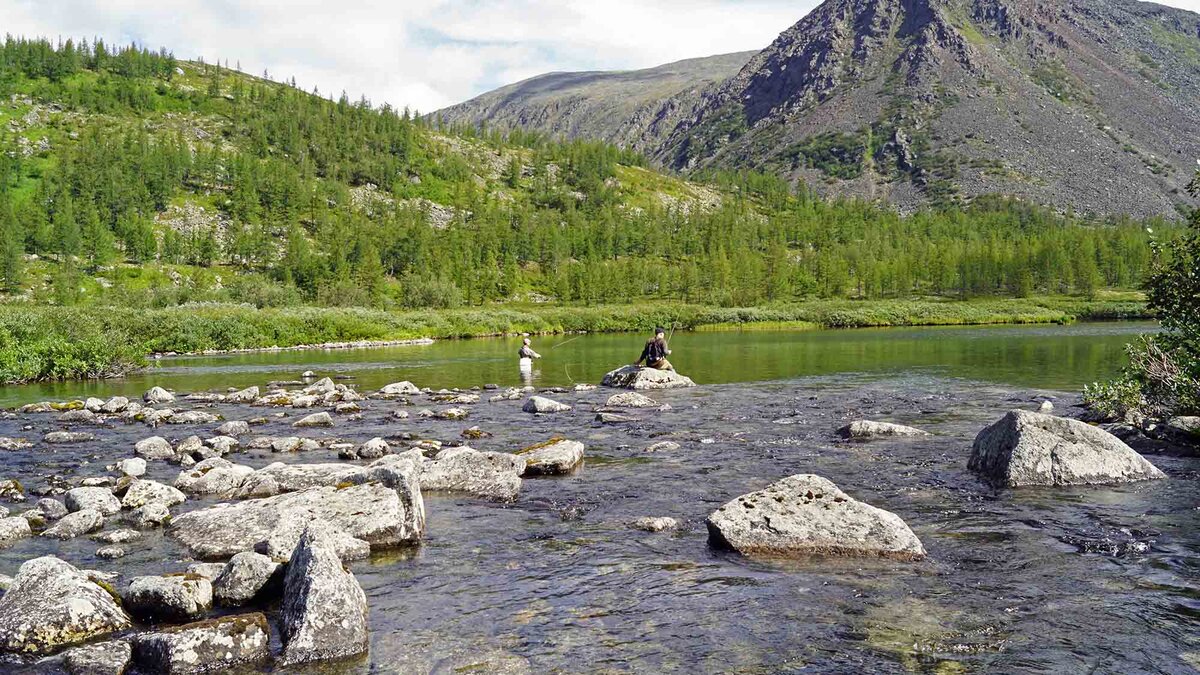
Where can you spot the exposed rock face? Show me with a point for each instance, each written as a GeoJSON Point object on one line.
{"type": "Point", "coordinates": [1026, 448]}
{"type": "Point", "coordinates": [324, 613]}
{"type": "Point", "coordinates": [171, 599]}
{"type": "Point", "coordinates": [541, 404]}
{"type": "Point", "coordinates": [98, 498]}
{"type": "Point", "coordinates": [244, 578]}
{"type": "Point", "coordinates": [632, 377]}
{"type": "Point", "coordinates": [371, 512]}
{"type": "Point", "coordinates": [51, 604]}
{"type": "Point", "coordinates": [561, 457]}
{"type": "Point", "coordinates": [630, 399]}
{"type": "Point", "coordinates": [76, 524]}
{"type": "Point", "coordinates": [493, 475]}
{"type": "Point", "coordinates": [104, 658]}
{"type": "Point", "coordinates": [805, 515]}
{"type": "Point", "coordinates": [205, 646]}
{"type": "Point", "coordinates": [865, 429]}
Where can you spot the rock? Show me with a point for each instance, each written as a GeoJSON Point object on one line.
{"type": "Point", "coordinates": [78, 417]}
{"type": "Point", "coordinates": [614, 418]}
{"type": "Point", "coordinates": [400, 414]}
{"type": "Point", "coordinates": [133, 467]}
{"type": "Point", "coordinates": [168, 599]}
{"type": "Point", "coordinates": [118, 536]}
{"type": "Point", "coordinates": [321, 419]}
{"type": "Point", "coordinates": [51, 604]}
{"type": "Point", "coordinates": [115, 405]}
{"type": "Point", "coordinates": [282, 542]}
{"type": "Point", "coordinates": [663, 446]}
{"type": "Point", "coordinates": [632, 377]}
{"type": "Point", "coordinates": [13, 528]}
{"type": "Point", "coordinates": [305, 401]}
{"type": "Point", "coordinates": [296, 477]}
{"type": "Point", "coordinates": [541, 404]}
{"type": "Point", "coordinates": [144, 492]}
{"type": "Point", "coordinates": [582, 387]}
{"type": "Point", "coordinates": [11, 490]}
{"type": "Point", "coordinates": [158, 395]}
{"type": "Point", "coordinates": [372, 449]}
{"type": "Point", "coordinates": [510, 394]}
{"type": "Point", "coordinates": [371, 512]}
{"type": "Point", "coordinates": [75, 524]}
{"type": "Point", "coordinates": [234, 428]}
{"type": "Point", "coordinates": [247, 395]}
{"type": "Point", "coordinates": [11, 444]}
{"type": "Point", "coordinates": [111, 552]}
{"type": "Point", "coordinates": [475, 434]}
{"type": "Point", "coordinates": [492, 475]}
{"type": "Point", "coordinates": [152, 417]}
{"type": "Point", "coordinates": [808, 515]}
{"type": "Point", "coordinates": [93, 404]}
{"type": "Point", "coordinates": [630, 399]}
{"type": "Point", "coordinates": [864, 429]}
{"type": "Point", "coordinates": [98, 498]}
{"type": "Point", "coordinates": [347, 408]}
{"type": "Point", "coordinates": [205, 397]}
{"type": "Point", "coordinates": [321, 387]}
{"type": "Point", "coordinates": [457, 399]}
{"type": "Point", "coordinates": [68, 437]}
{"type": "Point", "coordinates": [212, 476]}
{"type": "Point", "coordinates": [96, 481]}
{"type": "Point", "coordinates": [400, 389]}
{"type": "Point", "coordinates": [154, 514]}
{"type": "Point", "coordinates": [1046, 407]}
{"type": "Point", "coordinates": [217, 645]}
{"type": "Point", "coordinates": [222, 445]}
{"type": "Point", "coordinates": [35, 518]}
{"type": "Point", "coordinates": [245, 578]}
{"type": "Point", "coordinates": [324, 612]}
{"type": "Point", "coordinates": [155, 447]}
{"type": "Point", "coordinates": [52, 509]}
{"type": "Point", "coordinates": [557, 457]}
{"type": "Point", "coordinates": [193, 417]}
{"type": "Point", "coordinates": [651, 524]}
{"type": "Point", "coordinates": [1026, 448]}
{"type": "Point", "coordinates": [103, 658]}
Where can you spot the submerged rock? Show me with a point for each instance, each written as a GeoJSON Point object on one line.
{"type": "Point", "coordinates": [653, 524]}
{"type": "Point", "coordinates": [633, 377]}
{"type": "Point", "coordinates": [864, 429]}
{"type": "Point", "coordinates": [543, 405]}
{"type": "Point", "coordinates": [324, 613]}
{"type": "Point", "coordinates": [103, 658]}
{"type": "Point", "coordinates": [554, 458]}
{"type": "Point", "coordinates": [52, 604]}
{"type": "Point", "coordinates": [808, 515]}
{"type": "Point", "coordinates": [210, 646]}
{"type": "Point", "coordinates": [170, 599]}
{"type": "Point", "coordinates": [1026, 448]}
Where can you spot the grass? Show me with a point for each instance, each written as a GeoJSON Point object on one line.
{"type": "Point", "coordinates": [58, 343]}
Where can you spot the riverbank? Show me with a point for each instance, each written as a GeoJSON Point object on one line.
{"type": "Point", "coordinates": [57, 343]}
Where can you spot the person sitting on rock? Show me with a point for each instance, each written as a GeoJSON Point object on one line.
{"type": "Point", "coordinates": [654, 355]}
{"type": "Point", "coordinates": [527, 355]}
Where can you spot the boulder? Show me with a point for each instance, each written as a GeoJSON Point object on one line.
{"type": "Point", "coordinates": [630, 399]}
{"type": "Point", "coordinates": [212, 476]}
{"type": "Point", "coordinates": [614, 418]}
{"type": "Point", "coordinates": [1026, 448]}
{"type": "Point", "coordinates": [633, 377]}
{"type": "Point", "coordinates": [296, 477]}
{"type": "Point", "coordinates": [158, 395]}
{"type": "Point", "coordinates": [234, 428]}
{"type": "Point", "coordinates": [99, 498]}
{"type": "Point", "coordinates": [155, 447]}
{"type": "Point", "coordinates": [169, 599]}
{"type": "Point", "coordinates": [554, 458]}
{"type": "Point", "coordinates": [133, 467]}
{"type": "Point", "coordinates": [492, 475]}
{"type": "Point", "coordinates": [68, 437]}
{"type": "Point", "coordinates": [102, 658]}
{"type": "Point", "coordinates": [217, 645]}
{"type": "Point", "coordinates": [111, 552]}
{"type": "Point", "coordinates": [510, 394]}
{"type": "Point", "coordinates": [805, 515]}
{"type": "Point", "coordinates": [282, 542]}
{"type": "Point", "coordinates": [154, 514]}
{"type": "Point", "coordinates": [543, 405]}
{"type": "Point", "coordinates": [52, 509]}
{"type": "Point", "coordinates": [78, 417]}
{"type": "Point", "coordinates": [662, 446]}
{"type": "Point", "coordinates": [655, 524]}
{"type": "Point", "coordinates": [143, 492]}
{"type": "Point", "coordinates": [13, 528]}
{"type": "Point", "coordinates": [321, 419]}
{"type": "Point", "coordinates": [865, 429]}
{"type": "Point", "coordinates": [93, 404]}
{"type": "Point", "coordinates": [118, 536]}
{"type": "Point", "coordinates": [324, 612]}
{"type": "Point", "coordinates": [247, 395]}
{"type": "Point", "coordinates": [305, 401]}
{"type": "Point", "coordinates": [76, 524]}
{"type": "Point", "coordinates": [321, 387]}
{"type": "Point", "coordinates": [11, 490]}
{"type": "Point", "coordinates": [371, 512]}
{"type": "Point", "coordinates": [208, 571]}
{"type": "Point", "coordinates": [222, 445]}
{"type": "Point", "coordinates": [372, 449]}
{"type": "Point", "coordinates": [115, 405]}
{"type": "Point", "coordinates": [245, 578]}
{"type": "Point", "coordinates": [193, 417]}
{"type": "Point", "coordinates": [10, 444]}
{"type": "Point", "coordinates": [51, 604]}
{"type": "Point", "coordinates": [400, 389]}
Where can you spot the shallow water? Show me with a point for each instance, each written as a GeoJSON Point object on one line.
{"type": "Point", "coordinates": [558, 581]}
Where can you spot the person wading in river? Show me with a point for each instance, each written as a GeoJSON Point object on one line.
{"type": "Point", "coordinates": [654, 355]}
{"type": "Point", "coordinates": [527, 355]}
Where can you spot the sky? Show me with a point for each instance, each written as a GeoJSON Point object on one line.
{"type": "Point", "coordinates": [423, 54]}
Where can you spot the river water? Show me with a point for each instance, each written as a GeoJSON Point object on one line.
{"type": "Point", "coordinates": [1066, 580]}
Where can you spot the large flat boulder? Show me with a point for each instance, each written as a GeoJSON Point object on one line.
{"type": "Point", "coordinates": [1026, 448]}
{"type": "Point", "coordinates": [633, 377]}
{"type": "Point", "coordinates": [371, 512]}
{"type": "Point", "coordinates": [50, 604]}
{"type": "Point", "coordinates": [170, 599]}
{"type": "Point", "coordinates": [210, 646]}
{"type": "Point", "coordinates": [324, 612]}
{"type": "Point", "coordinates": [806, 515]}
{"type": "Point", "coordinates": [492, 475]}
{"type": "Point", "coordinates": [554, 458]}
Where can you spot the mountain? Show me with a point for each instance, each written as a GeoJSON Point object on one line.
{"type": "Point", "coordinates": [1084, 105]}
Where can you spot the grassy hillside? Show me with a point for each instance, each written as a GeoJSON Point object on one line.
{"type": "Point", "coordinates": [130, 180]}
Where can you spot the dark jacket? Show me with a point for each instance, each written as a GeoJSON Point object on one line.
{"type": "Point", "coordinates": [655, 351]}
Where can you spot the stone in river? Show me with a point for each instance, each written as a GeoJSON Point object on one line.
{"type": "Point", "coordinates": [143, 492]}
{"type": "Point", "coordinates": [556, 457]}
{"type": "Point", "coordinates": [493, 475]}
{"type": "Point", "coordinates": [805, 515]}
{"type": "Point", "coordinates": [216, 645]}
{"type": "Point", "coordinates": [543, 405]}
{"type": "Point", "coordinates": [655, 524]}
{"type": "Point", "coordinates": [400, 389]}
{"type": "Point", "coordinates": [169, 599]}
{"type": "Point", "coordinates": [633, 377]}
{"type": "Point", "coordinates": [133, 467]}
{"type": "Point", "coordinates": [863, 429]}
{"type": "Point", "coordinates": [154, 514]}
{"type": "Point", "coordinates": [212, 476]}
{"type": "Point", "coordinates": [51, 604]}
{"type": "Point", "coordinates": [11, 444]}
{"type": "Point", "coordinates": [324, 612]}
{"type": "Point", "coordinates": [118, 536]}
{"type": "Point", "coordinates": [247, 395]}
{"type": "Point", "coordinates": [663, 446]}
{"type": "Point", "coordinates": [52, 509]}
{"type": "Point", "coordinates": [193, 417]}
{"type": "Point", "coordinates": [321, 419]}
{"type": "Point", "coordinates": [234, 428]}
{"type": "Point", "coordinates": [155, 447]}
{"type": "Point", "coordinates": [115, 405]}
{"type": "Point", "coordinates": [158, 395]}
{"type": "Point", "coordinates": [101, 499]}
{"type": "Point", "coordinates": [68, 437]}
{"type": "Point", "coordinates": [630, 399]}
{"type": "Point", "coordinates": [13, 528]}
{"type": "Point", "coordinates": [102, 658]}
{"type": "Point", "coordinates": [1026, 448]}
{"type": "Point", "coordinates": [246, 577]}
{"type": "Point", "coordinates": [614, 418]}
{"type": "Point", "coordinates": [76, 524]}
{"type": "Point", "coordinates": [112, 552]}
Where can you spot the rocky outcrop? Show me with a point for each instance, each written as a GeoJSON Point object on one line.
{"type": "Point", "coordinates": [169, 599]}
{"type": "Point", "coordinates": [51, 605]}
{"type": "Point", "coordinates": [324, 613]}
{"type": "Point", "coordinates": [1025, 449]}
{"type": "Point", "coordinates": [205, 647]}
{"type": "Point", "coordinates": [806, 515]}
{"type": "Point", "coordinates": [557, 457]}
{"type": "Point", "coordinates": [246, 577]}
{"type": "Point", "coordinates": [633, 377]}
{"type": "Point", "coordinates": [865, 429]}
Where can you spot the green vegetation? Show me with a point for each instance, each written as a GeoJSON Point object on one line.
{"type": "Point", "coordinates": [837, 155]}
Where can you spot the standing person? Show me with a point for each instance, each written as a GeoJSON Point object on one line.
{"type": "Point", "coordinates": [654, 355]}
{"type": "Point", "coordinates": [527, 355]}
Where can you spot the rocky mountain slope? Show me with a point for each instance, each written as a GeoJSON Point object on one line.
{"type": "Point", "coordinates": [1085, 105]}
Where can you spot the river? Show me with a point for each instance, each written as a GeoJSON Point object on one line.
{"type": "Point", "coordinates": [1101, 580]}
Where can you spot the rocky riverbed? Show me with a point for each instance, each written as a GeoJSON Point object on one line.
{"type": "Point", "coordinates": [604, 563]}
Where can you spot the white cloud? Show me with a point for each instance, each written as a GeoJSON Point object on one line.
{"type": "Point", "coordinates": [421, 53]}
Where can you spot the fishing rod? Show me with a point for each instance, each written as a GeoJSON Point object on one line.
{"type": "Point", "coordinates": [566, 341]}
